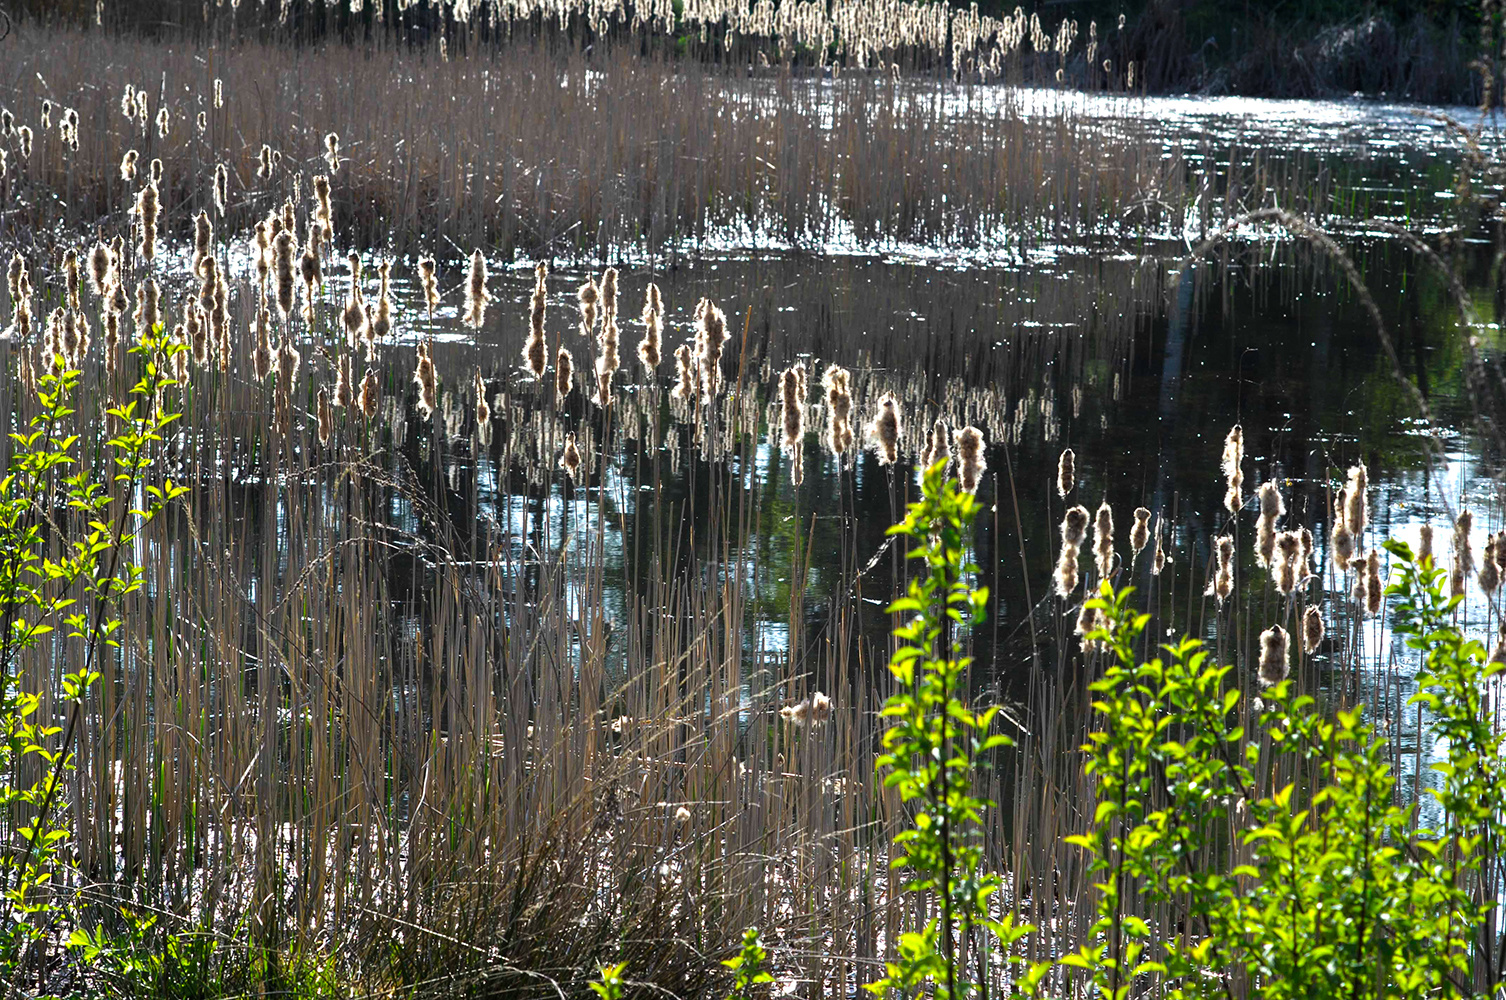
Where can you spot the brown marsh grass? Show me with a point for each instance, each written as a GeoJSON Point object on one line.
{"type": "Point", "coordinates": [534, 149]}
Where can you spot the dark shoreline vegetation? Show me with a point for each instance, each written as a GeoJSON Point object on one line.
{"type": "Point", "coordinates": [395, 600]}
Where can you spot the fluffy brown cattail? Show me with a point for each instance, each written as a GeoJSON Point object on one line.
{"type": "Point", "coordinates": [345, 388]}
{"type": "Point", "coordinates": [476, 295]}
{"type": "Point", "coordinates": [1312, 629]}
{"type": "Point", "coordinates": [1066, 473]}
{"type": "Point", "coordinates": [711, 335]}
{"type": "Point", "coordinates": [7, 123]}
{"type": "Point", "coordinates": [535, 351]}
{"type": "Point", "coordinates": [1271, 509]}
{"type": "Point", "coordinates": [194, 329]}
{"type": "Point", "coordinates": [284, 249]}
{"type": "Point", "coordinates": [970, 461]}
{"type": "Point", "coordinates": [1074, 528]}
{"type": "Point", "coordinates": [311, 272]}
{"type": "Point", "coordinates": [588, 295]}
{"type": "Point", "coordinates": [570, 457]}
{"type": "Point", "coordinates": [885, 430]}
{"type": "Point", "coordinates": [380, 324]}
{"type": "Point", "coordinates": [792, 411]}
{"type": "Point", "coordinates": [219, 93]}
{"type": "Point", "coordinates": [838, 383]}
{"type": "Point", "coordinates": [323, 213]}
{"type": "Point", "coordinates": [288, 359]}
{"type": "Point", "coordinates": [164, 123]}
{"type": "Point", "coordinates": [564, 375]}
{"type": "Point", "coordinates": [325, 415]}
{"type": "Point", "coordinates": [1234, 477]}
{"type": "Point", "coordinates": [483, 411]}
{"type": "Point", "coordinates": [938, 448]}
{"type": "Point", "coordinates": [427, 380]}
{"type": "Point", "coordinates": [221, 188]}
{"type": "Point", "coordinates": [1158, 563]}
{"type": "Point", "coordinates": [261, 357]}
{"type": "Point", "coordinates": [264, 162]}
{"type": "Point", "coordinates": [430, 285]}
{"type": "Point", "coordinates": [146, 316]}
{"type": "Point", "coordinates": [1464, 560]}
{"type": "Point", "coordinates": [24, 135]}
{"type": "Point", "coordinates": [1425, 543]}
{"type": "Point", "coordinates": [371, 394]}
{"type": "Point", "coordinates": [203, 241]}
{"type": "Point", "coordinates": [332, 151]}
{"type": "Point", "coordinates": [202, 122]}
{"type": "Point", "coordinates": [1286, 560]}
{"type": "Point", "coordinates": [354, 314]}
{"type": "Point", "coordinates": [1374, 589]}
{"type": "Point", "coordinates": [1341, 540]}
{"type": "Point", "coordinates": [1222, 584]}
{"type": "Point", "coordinates": [128, 166]}
{"type": "Point", "coordinates": [653, 325]}
{"type": "Point", "coordinates": [1103, 540]}
{"type": "Point", "coordinates": [1489, 576]}
{"type": "Point", "coordinates": [609, 292]}
{"type": "Point", "coordinates": [261, 252]}
{"type": "Point", "coordinates": [146, 211]}
{"type": "Point", "coordinates": [72, 278]}
{"type": "Point", "coordinates": [1357, 509]}
{"type": "Point", "coordinates": [1140, 533]}
{"type": "Point", "coordinates": [685, 384]}
{"type": "Point", "coordinates": [1359, 590]}
{"type": "Point", "coordinates": [608, 361]}
{"type": "Point", "coordinates": [155, 170]}
{"type": "Point", "coordinates": [1273, 656]}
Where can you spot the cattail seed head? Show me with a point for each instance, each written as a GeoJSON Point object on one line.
{"type": "Point", "coordinates": [154, 171]}
{"type": "Point", "coordinates": [885, 430]}
{"type": "Point", "coordinates": [792, 411]}
{"type": "Point", "coordinates": [164, 123]}
{"type": "Point", "coordinates": [1158, 563]}
{"type": "Point", "coordinates": [588, 295]}
{"type": "Point", "coordinates": [332, 151]}
{"type": "Point", "coordinates": [483, 411]}
{"type": "Point", "coordinates": [711, 335]}
{"type": "Point", "coordinates": [288, 359]}
{"type": "Point", "coordinates": [345, 390]}
{"type": "Point", "coordinates": [1285, 565]}
{"type": "Point", "coordinates": [1234, 477]}
{"type": "Point", "coordinates": [1357, 510]}
{"type": "Point", "coordinates": [1489, 576]}
{"type": "Point", "coordinates": [570, 457]}
{"type": "Point", "coordinates": [221, 188]}
{"type": "Point", "coordinates": [1425, 543]}
{"type": "Point", "coordinates": [653, 325]}
{"type": "Point", "coordinates": [371, 394]}
{"type": "Point", "coordinates": [1374, 589]}
{"type": "Point", "coordinates": [1464, 560]}
{"type": "Point", "coordinates": [685, 384]}
{"type": "Point", "coordinates": [146, 212]}
{"type": "Point", "coordinates": [476, 295]}
{"type": "Point", "coordinates": [381, 320]}
{"type": "Point", "coordinates": [939, 446]}
{"type": "Point", "coordinates": [325, 415]}
{"type": "Point", "coordinates": [219, 93]}
{"type": "Point", "coordinates": [1140, 533]}
{"type": "Point", "coordinates": [1074, 527]}
{"type": "Point", "coordinates": [1066, 473]}
{"type": "Point", "coordinates": [264, 162]}
{"type": "Point", "coordinates": [354, 314]}
{"type": "Point", "coordinates": [261, 357]}
{"type": "Point", "coordinates": [1222, 584]}
{"type": "Point", "coordinates": [838, 384]}
{"type": "Point", "coordinates": [1271, 509]}
{"type": "Point", "coordinates": [72, 279]}
{"type": "Point", "coordinates": [1340, 540]}
{"type": "Point", "coordinates": [203, 241]}
{"type": "Point", "coordinates": [564, 375]}
{"type": "Point", "coordinates": [146, 316]}
{"type": "Point", "coordinates": [1103, 540]}
{"type": "Point", "coordinates": [24, 134]}
{"type": "Point", "coordinates": [284, 249]}
{"type": "Point", "coordinates": [1312, 629]}
{"type": "Point", "coordinates": [128, 166]}
{"type": "Point", "coordinates": [970, 461]}
{"type": "Point", "coordinates": [608, 361]}
{"type": "Point", "coordinates": [427, 381]}
{"type": "Point", "coordinates": [430, 285]}
{"type": "Point", "coordinates": [1274, 666]}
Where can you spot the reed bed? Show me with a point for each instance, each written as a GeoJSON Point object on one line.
{"type": "Point", "coordinates": [536, 149]}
